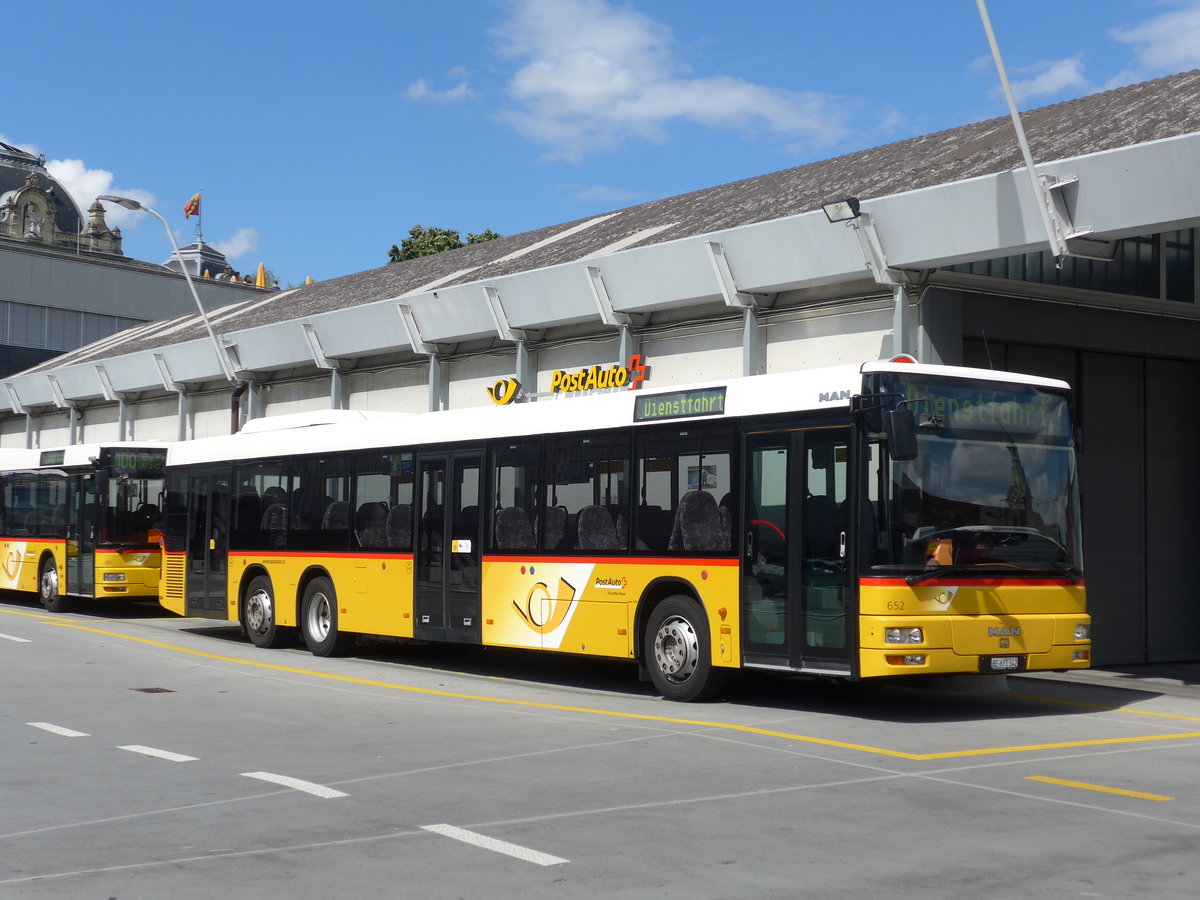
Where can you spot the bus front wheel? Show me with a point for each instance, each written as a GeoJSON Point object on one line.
{"type": "Point", "coordinates": [319, 620]}
{"type": "Point", "coordinates": [678, 651]}
{"type": "Point", "coordinates": [258, 615]}
{"type": "Point", "coordinates": [48, 593]}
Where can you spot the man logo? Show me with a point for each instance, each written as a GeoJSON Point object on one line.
{"type": "Point", "coordinates": [504, 391]}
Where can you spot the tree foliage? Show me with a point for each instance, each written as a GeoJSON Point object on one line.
{"type": "Point", "coordinates": [423, 241]}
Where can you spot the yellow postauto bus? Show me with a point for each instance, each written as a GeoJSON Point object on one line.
{"type": "Point", "coordinates": [82, 521]}
{"type": "Point", "coordinates": [888, 519]}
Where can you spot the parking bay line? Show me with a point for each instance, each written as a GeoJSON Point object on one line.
{"type": "Point", "coordinates": [58, 729]}
{"type": "Point", "coordinates": [1160, 798]}
{"type": "Point", "coordinates": [642, 717]}
{"type": "Point", "coordinates": [15, 639]}
{"type": "Point", "coordinates": [160, 754]}
{"type": "Point", "coordinates": [309, 787]}
{"type": "Point", "coordinates": [496, 846]}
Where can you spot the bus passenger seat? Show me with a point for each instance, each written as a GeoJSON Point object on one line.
{"type": "Point", "coordinates": [336, 516]}
{"type": "Point", "coordinates": [697, 524]}
{"type": "Point", "coordinates": [514, 531]}
{"type": "Point", "coordinates": [596, 529]}
{"type": "Point", "coordinates": [371, 524]}
{"type": "Point", "coordinates": [399, 526]}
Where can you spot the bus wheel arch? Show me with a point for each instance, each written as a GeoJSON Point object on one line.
{"type": "Point", "coordinates": [49, 589]}
{"type": "Point", "coordinates": [674, 644]}
{"type": "Point", "coordinates": [259, 613]}
{"type": "Point", "coordinates": [317, 614]}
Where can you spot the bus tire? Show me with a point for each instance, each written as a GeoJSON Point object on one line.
{"type": "Point", "coordinates": [48, 593]}
{"type": "Point", "coordinates": [678, 653]}
{"type": "Point", "coordinates": [259, 615]}
{"type": "Point", "coordinates": [319, 620]}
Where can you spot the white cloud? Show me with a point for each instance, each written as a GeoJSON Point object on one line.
{"type": "Point", "coordinates": [597, 193]}
{"type": "Point", "coordinates": [593, 75]}
{"type": "Point", "coordinates": [85, 185]}
{"type": "Point", "coordinates": [243, 241]}
{"type": "Point", "coordinates": [1163, 45]}
{"type": "Point", "coordinates": [1051, 79]}
{"type": "Point", "coordinates": [420, 90]}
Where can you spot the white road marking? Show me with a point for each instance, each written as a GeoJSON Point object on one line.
{"type": "Point", "coordinates": [161, 754]}
{"type": "Point", "coordinates": [487, 843]}
{"type": "Point", "coordinates": [58, 729]}
{"type": "Point", "coordinates": [14, 638]}
{"type": "Point", "coordinates": [309, 787]}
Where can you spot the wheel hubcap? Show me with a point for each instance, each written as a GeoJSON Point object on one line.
{"type": "Point", "coordinates": [677, 649]}
{"type": "Point", "coordinates": [258, 611]}
{"type": "Point", "coordinates": [320, 617]}
{"type": "Point", "coordinates": [50, 582]}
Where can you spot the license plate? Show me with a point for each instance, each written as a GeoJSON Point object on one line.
{"type": "Point", "coordinates": [1002, 664]}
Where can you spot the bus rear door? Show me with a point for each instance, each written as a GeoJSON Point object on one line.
{"type": "Point", "coordinates": [447, 584]}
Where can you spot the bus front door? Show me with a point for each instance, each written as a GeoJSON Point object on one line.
{"type": "Point", "coordinates": [796, 578]}
{"type": "Point", "coordinates": [208, 541]}
{"type": "Point", "coordinates": [83, 520]}
{"type": "Point", "coordinates": [446, 600]}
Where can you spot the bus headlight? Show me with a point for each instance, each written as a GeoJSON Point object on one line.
{"type": "Point", "coordinates": [114, 576]}
{"type": "Point", "coordinates": [1083, 632]}
{"type": "Point", "coordinates": [903, 636]}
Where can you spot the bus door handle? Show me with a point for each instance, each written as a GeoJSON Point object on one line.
{"type": "Point", "coordinates": [842, 545]}
{"type": "Point", "coordinates": [750, 544]}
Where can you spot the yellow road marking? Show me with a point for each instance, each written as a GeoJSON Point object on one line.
{"type": "Point", "coordinates": [1099, 787]}
{"type": "Point", "coordinates": [615, 714]}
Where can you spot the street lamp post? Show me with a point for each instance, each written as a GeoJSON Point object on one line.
{"type": "Point", "coordinates": [222, 356]}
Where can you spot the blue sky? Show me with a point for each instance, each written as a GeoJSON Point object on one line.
{"type": "Point", "coordinates": [320, 133]}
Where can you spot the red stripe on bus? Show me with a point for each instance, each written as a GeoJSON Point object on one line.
{"type": "Point", "coordinates": [878, 581]}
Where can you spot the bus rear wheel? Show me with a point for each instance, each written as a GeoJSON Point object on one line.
{"type": "Point", "coordinates": [319, 620]}
{"type": "Point", "coordinates": [48, 593]}
{"type": "Point", "coordinates": [258, 615]}
{"type": "Point", "coordinates": [678, 653]}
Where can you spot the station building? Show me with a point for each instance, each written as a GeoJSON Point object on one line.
{"type": "Point", "coordinates": [939, 250]}
{"type": "Point", "coordinates": [65, 280]}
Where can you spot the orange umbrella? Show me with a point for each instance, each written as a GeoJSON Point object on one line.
{"type": "Point", "coordinates": [260, 279]}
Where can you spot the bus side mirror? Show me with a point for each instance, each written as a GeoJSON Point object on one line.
{"type": "Point", "coordinates": [901, 430]}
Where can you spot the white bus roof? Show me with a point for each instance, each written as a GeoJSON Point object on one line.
{"type": "Point", "coordinates": [800, 391]}
{"type": "Point", "coordinates": [74, 455]}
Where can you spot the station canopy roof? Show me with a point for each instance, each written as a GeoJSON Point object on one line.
{"type": "Point", "coordinates": [936, 200]}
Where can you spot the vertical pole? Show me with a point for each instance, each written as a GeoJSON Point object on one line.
{"type": "Point", "coordinates": [28, 431]}
{"type": "Point", "coordinates": [73, 419]}
{"type": "Point", "coordinates": [899, 319]}
{"type": "Point", "coordinates": [753, 362]}
{"type": "Point", "coordinates": [122, 419]}
{"type": "Point", "coordinates": [337, 389]}
{"type": "Point", "coordinates": [181, 430]}
{"type": "Point", "coordinates": [435, 383]}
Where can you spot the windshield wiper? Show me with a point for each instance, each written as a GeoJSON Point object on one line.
{"type": "Point", "coordinates": [1060, 568]}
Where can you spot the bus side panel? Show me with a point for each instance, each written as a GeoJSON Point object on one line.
{"type": "Point", "coordinates": [589, 607]}
{"type": "Point", "coordinates": [374, 592]}
{"type": "Point", "coordinates": [19, 560]}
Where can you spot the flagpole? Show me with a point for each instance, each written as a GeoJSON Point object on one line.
{"type": "Point", "coordinates": [200, 219]}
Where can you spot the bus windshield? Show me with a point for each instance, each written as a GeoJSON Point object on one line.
{"type": "Point", "coordinates": [133, 496]}
{"type": "Point", "coordinates": [993, 491]}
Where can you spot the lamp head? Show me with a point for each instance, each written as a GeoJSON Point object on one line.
{"type": "Point", "coordinates": [121, 201]}
{"type": "Point", "coordinates": [839, 210]}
